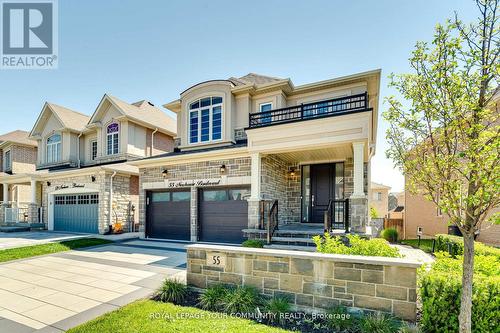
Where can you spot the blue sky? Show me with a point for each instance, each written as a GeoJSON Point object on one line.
{"type": "Point", "coordinates": [155, 49]}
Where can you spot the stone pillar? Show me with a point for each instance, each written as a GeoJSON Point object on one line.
{"type": "Point", "coordinates": [2, 213]}
{"type": "Point", "coordinates": [253, 201]}
{"type": "Point", "coordinates": [194, 214]}
{"type": "Point", "coordinates": [33, 213]}
{"type": "Point", "coordinates": [358, 202]}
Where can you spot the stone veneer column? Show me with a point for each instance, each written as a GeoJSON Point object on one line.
{"type": "Point", "coordinates": [253, 201]}
{"type": "Point", "coordinates": [358, 210]}
{"type": "Point", "coordinates": [194, 214]}
{"type": "Point", "coordinates": [2, 212]}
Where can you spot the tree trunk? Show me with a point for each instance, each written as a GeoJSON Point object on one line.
{"type": "Point", "coordinates": [468, 270]}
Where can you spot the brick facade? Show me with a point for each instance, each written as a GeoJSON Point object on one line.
{"type": "Point", "coordinates": [312, 281]}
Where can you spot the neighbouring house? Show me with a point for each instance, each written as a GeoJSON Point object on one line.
{"type": "Point", "coordinates": [423, 217]}
{"type": "Point", "coordinates": [17, 157]}
{"type": "Point", "coordinates": [257, 152]}
{"type": "Point", "coordinates": [396, 205]}
{"type": "Point", "coordinates": [379, 199]}
{"type": "Point", "coordinates": [80, 180]}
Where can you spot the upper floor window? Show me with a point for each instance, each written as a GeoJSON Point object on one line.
{"type": "Point", "coordinates": [377, 196]}
{"type": "Point", "coordinates": [7, 161]}
{"type": "Point", "coordinates": [54, 148]}
{"type": "Point", "coordinates": [264, 108]}
{"type": "Point", "coordinates": [93, 150]}
{"type": "Point", "coordinates": [205, 120]}
{"type": "Point", "coordinates": [112, 133]}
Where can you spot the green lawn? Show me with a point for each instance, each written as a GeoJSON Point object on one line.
{"type": "Point", "coordinates": [139, 317]}
{"type": "Point", "coordinates": [425, 244]}
{"type": "Point", "coordinates": [36, 250]}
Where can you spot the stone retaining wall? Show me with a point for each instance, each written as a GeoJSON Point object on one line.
{"type": "Point", "coordinates": [312, 281]}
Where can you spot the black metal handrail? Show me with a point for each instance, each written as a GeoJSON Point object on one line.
{"type": "Point", "coordinates": [326, 108]}
{"type": "Point", "coordinates": [272, 224]}
{"type": "Point", "coordinates": [337, 215]}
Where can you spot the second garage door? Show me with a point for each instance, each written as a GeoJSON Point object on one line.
{"type": "Point", "coordinates": [77, 213]}
{"type": "Point", "coordinates": [168, 215]}
{"type": "Point", "coordinates": [223, 214]}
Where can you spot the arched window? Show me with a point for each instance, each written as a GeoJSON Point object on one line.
{"type": "Point", "coordinates": [54, 148]}
{"type": "Point", "coordinates": [112, 135]}
{"type": "Point", "coordinates": [205, 120]}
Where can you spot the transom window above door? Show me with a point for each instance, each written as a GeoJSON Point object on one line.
{"type": "Point", "coordinates": [112, 135]}
{"type": "Point", "coordinates": [54, 148]}
{"type": "Point", "coordinates": [205, 120]}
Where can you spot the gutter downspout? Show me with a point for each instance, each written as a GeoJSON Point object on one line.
{"type": "Point", "coordinates": [153, 141]}
{"type": "Point", "coordinates": [78, 150]}
{"type": "Point", "coordinates": [110, 216]}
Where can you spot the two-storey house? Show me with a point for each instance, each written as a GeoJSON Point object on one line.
{"type": "Point", "coordinates": [17, 157]}
{"type": "Point", "coordinates": [257, 154]}
{"type": "Point", "coordinates": [81, 170]}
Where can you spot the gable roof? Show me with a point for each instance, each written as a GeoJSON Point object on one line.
{"type": "Point", "coordinates": [377, 185]}
{"type": "Point", "coordinates": [142, 112]}
{"type": "Point", "coordinates": [70, 119]}
{"type": "Point", "coordinates": [17, 136]}
{"type": "Point", "coordinates": [253, 78]}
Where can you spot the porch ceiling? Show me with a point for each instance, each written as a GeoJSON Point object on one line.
{"type": "Point", "coordinates": [336, 153]}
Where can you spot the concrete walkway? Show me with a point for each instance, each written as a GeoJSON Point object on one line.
{"type": "Point", "coordinates": [56, 292]}
{"type": "Point", "coordinates": [414, 254]}
{"type": "Point", "coordinates": [28, 238]}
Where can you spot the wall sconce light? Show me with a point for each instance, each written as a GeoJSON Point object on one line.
{"type": "Point", "coordinates": [92, 178]}
{"type": "Point", "coordinates": [48, 184]}
{"type": "Point", "coordinates": [164, 173]}
{"type": "Point", "coordinates": [292, 172]}
{"type": "Point", "coordinates": [222, 169]}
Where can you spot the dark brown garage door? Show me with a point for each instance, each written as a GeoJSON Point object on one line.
{"type": "Point", "coordinates": [223, 214]}
{"type": "Point", "coordinates": [168, 215]}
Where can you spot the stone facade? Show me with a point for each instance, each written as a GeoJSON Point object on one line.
{"type": "Point", "coordinates": [235, 169]}
{"type": "Point", "coordinates": [277, 183]}
{"type": "Point", "coordinates": [125, 197]}
{"type": "Point", "coordinates": [312, 281]}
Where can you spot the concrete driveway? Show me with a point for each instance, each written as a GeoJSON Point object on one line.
{"type": "Point", "coordinates": [55, 292]}
{"type": "Point", "coordinates": [18, 239]}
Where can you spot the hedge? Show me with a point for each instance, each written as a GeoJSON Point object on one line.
{"type": "Point", "coordinates": [457, 244]}
{"type": "Point", "coordinates": [441, 287]}
{"type": "Point", "coordinates": [440, 293]}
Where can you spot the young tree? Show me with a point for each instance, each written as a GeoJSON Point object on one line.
{"type": "Point", "coordinates": [446, 141]}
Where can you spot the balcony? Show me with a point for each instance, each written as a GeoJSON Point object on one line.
{"type": "Point", "coordinates": [327, 108]}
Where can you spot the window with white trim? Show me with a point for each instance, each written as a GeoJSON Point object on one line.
{"type": "Point", "coordinates": [54, 148]}
{"type": "Point", "coordinates": [7, 162]}
{"type": "Point", "coordinates": [264, 107]}
{"type": "Point", "coordinates": [112, 138]}
{"type": "Point", "coordinates": [205, 120]}
{"type": "Point", "coordinates": [93, 150]}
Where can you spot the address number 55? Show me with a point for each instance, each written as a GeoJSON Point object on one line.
{"type": "Point", "coordinates": [216, 260]}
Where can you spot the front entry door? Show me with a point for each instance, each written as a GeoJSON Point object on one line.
{"type": "Point", "coordinates": [322, 190]}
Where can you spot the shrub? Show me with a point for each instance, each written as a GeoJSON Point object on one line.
{"type": "Point", "coordinates": [339, 319]}
{"type": "Point", "coordinates": [373, 212]}
{"type": "Point", "coordinates": [172, 291]}
{"type": "Point", "coordinates": [213, 298]}
{"type": "Point", "coordinates": [278, 306]}
{"type": "Point", "coordinates": [242, 299]}
{"type": "Point", "coordinates": [457, 246]}
{"type": "Point", "coordinates": [356, 246]}
{"type": "Point", "coordinates": [257, 243]}
{"type": "Point", "coordinates": [390, 235]}
{"type": "Point", "coordinates": [440, 294]}
{"type": "Point", "coordinates": [441, 286]}
{"type": "Point", "coordinates": [379, 323]}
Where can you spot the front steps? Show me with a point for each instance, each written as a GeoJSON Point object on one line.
{"type": "Point", "coordinates": [20, 227]}
{"type": "Point", "coordinates": [296, 237]}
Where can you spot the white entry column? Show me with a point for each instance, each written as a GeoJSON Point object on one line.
{"type": "Point", "coordinates": [5, 193]}
{"type": "Point", "coordinates": [33, 211]}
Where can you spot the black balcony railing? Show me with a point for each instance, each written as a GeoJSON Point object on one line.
{"type": "Point", "coordinates": [326, 108]}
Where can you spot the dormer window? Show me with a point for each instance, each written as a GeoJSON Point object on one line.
{"type": "Point", "coordinates": [205, 120]}
{"type": "Point", "coordinates": [112, 136]}
{"type": "Point", "coordinates": [54, 148]}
